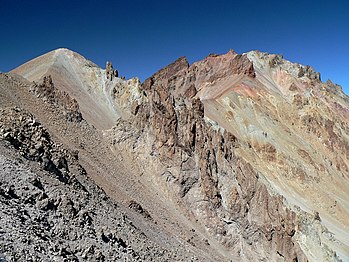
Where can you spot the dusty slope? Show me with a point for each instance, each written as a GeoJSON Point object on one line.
{"type": "Point", "coordinates": [238, 175]}
{"type": "Point", "coordinates": [297, 128]}
{"type": "Point", "coordinates": [51, 211]}
{"type": "Point", "coordinates": [115, 173]}
{"type": "Point", "coordinates": [82, 79]}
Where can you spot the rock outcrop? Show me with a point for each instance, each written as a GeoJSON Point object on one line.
{"type": "Point", "coordinates": [196, 120]}
{"type": "Point", "coordinates": [229, 199]}
{"type": "Point", "coordinates": [110, 72]}
{"type": "Point", "coordinates": [46, 90]}
{"type": "Point", "coordinates": [34, 142]}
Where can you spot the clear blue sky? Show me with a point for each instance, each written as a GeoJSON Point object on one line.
{"type": "Point", "coordinates": [140, 37]}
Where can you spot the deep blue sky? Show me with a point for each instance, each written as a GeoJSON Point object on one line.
{"type": "Point", "coordinates": [140, 37]}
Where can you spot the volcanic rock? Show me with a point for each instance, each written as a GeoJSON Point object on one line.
{"type": "Point", "coordinates": [235, 157]}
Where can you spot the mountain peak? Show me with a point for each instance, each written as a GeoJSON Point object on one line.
{"type": "Point", "coordinates": [64, 50]}
{"type": "Point", "coordinates": [36, 68]}
{"type": "Point", "coordinates": [265, 61]}
{"type": "Point", "coordinates": [80, 78]}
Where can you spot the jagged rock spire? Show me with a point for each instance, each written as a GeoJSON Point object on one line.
{"type": "Point", "coordinates": [110, 72]}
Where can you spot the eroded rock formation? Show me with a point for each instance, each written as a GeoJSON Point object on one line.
{"type": "Point", "coordinates": [46, 90]}
{"type": "Point", "coordinates": [110, 72]}
{"type": "Point", "coordinates": [234, 206]}
{"type": "Point", "coordinates": [238, 157]}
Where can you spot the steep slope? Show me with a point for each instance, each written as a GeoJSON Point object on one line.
{"type": "Point", "coordinates": [199, 168]}
{"type": "Point", "coordinates": [297, 128]}
{"type": "Point", "coordinates": [81, 79]}
{"type": "Point", "coordinates": [116, 174]}
{"type": "Point", "coordinates": [239, 157]}
{"type": "Point", "coordinates": [51, 211]}
{"type": "Point", "coordinates": [258, 142]}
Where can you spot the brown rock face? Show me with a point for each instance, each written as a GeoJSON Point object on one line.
{"type": "Point", "coordinates": [46, 90]}
{"type": "Point", "coordinates": [221, 190]}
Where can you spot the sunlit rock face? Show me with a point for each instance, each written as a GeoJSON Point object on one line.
{"type": "Point", "coordinates": [250, 150]}
{"type": "Point", "coordinates": [274, 120]}
{"type": "Point", "coordinates": [295, 130]}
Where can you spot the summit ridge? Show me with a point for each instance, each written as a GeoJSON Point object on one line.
{"type": "Point", "coordinates": [234, 157]}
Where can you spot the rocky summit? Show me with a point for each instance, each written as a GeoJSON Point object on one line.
{"type": "Point", "coordinates": [238, 157]}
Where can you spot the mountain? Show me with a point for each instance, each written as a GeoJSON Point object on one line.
{"type": "Point", "coordinates": [235, 157]}
{"type": "Point", "coordinates": [79, 77]}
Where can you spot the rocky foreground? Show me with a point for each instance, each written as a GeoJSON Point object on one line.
{"type": "Point", "coordinates": [51, 211]}
{"type": "Point", "coordinates": [232, 158]}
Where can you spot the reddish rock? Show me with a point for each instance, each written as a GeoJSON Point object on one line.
{"type": "Point", "coordinates": [177, 122]}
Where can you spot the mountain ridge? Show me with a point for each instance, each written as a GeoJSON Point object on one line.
{"type": "Point", "coordinates": [243, 146]}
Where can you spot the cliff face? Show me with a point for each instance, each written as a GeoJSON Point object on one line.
{"type": "Point", "coordinates": [228, 132]}
{"type": "Point", "coordinates": [241, 157]}
{"type": "Point", "coordinates": [214, 185]}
